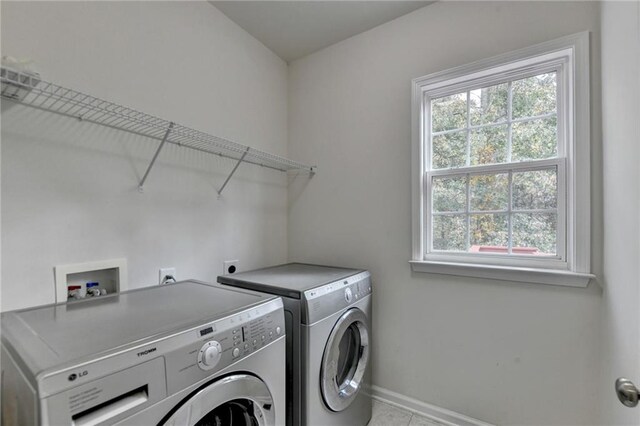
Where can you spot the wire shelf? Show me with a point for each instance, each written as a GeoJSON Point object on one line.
{"type": "Point", "coordinates": [28, 89]}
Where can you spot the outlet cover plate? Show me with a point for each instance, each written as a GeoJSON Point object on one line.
{"type": "Point", "coordinates": [230, 266]}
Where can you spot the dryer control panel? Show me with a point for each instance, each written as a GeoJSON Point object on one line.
{"type": "Point", "coordinates": [326, 300]}
{"type": "Point", "coordinates": [221, 343]}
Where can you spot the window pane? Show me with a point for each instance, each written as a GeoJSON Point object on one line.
{"type": "Point", "coordinates": [489, 192]}
{"type": "Point", "coordinates": [449, 194]}
{"type": "Point", "coordinates": [534, 96]}
{"type": "Point", "coordinates": [489, 233]}
{"type": "Point", "coordinates": [534, 233]}
{"type": "Point", "coordinates": [450, 232]}
{"type": "Point", "coordinates": [534, 140]}
{"type": "Point", "coordinates": [535, 190]}
{"type": "Point", "coordinates": [489, 145]}
{"type": "Point", "coordinates": [449, 150]}
{"type": "Point", "coordinates": [449, 112]}
{"type": "Point", "coordinates": [489, 104]}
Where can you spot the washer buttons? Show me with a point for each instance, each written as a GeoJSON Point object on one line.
{"type": "Point", "coordinates": [236, 352]}
{"type": "Point", "coordinates": [278, 330]}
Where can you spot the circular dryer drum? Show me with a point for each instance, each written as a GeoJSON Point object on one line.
{"type": "Point", "coordinates": [345, 360]}
{"type": "Point", "coordinates": [238, 400]}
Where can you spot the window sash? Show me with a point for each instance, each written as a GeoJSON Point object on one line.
{"type": "Point", "coordinates": [558, 164]}
{"type": "Point", "coordinates": [555, 64]}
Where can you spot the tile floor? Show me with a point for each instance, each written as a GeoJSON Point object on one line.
{"type": "Point", "coordinates": [388, 415]}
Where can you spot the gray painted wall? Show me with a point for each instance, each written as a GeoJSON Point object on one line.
{"type": "Point", "coordinates": [503, 352]}
{"type": "Point", "coordinates": [69, 189]}
{"type": "Point", "coordinates": [620, 131]}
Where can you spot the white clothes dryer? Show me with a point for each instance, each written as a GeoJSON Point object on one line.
{"type": "Point", "coordinates": [188, 353]}
{"type": "Point", "coordinates": [328, 322]}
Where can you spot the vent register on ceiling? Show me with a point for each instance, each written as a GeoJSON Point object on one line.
{"type": "Point", "coordinates": [28, 88]}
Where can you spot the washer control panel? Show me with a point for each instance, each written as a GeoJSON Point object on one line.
{"type": "Point", "coordinates": [253, 335]}
{"type": "Point", "coordinates": [330, 298]}
{"type": "Point", "coordinates": [221, 343]}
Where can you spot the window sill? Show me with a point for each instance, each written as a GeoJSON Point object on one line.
{"type": "Point", "coordinates": [504, 273]}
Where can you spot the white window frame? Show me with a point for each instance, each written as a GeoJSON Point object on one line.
{"type": "Point", "coordinates": [569, 57]}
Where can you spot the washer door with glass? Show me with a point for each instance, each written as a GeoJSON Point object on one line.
{"type": "Point", "coordinates": [345, 360]}
{"type": "Point", "coordinates": [238, 400]}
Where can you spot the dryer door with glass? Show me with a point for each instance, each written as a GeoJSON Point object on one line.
{"type": "Point", "coordinates": [236, 400]}
{"type": "Point", "coordinates": [345, 360]}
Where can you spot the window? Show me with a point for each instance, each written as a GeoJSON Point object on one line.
{"type": "Point", "coordinates": [501, 167]}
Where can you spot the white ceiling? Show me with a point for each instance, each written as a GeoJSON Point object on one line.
{"type": "Point", "coordinates": [293, 29]}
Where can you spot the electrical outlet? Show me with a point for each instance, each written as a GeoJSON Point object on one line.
{"type": "Point", "coordinates": [167, 272]}
{"type": "Point", "coordinates": [230, 266]}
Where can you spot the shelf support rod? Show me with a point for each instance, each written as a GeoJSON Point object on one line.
{"type": "Point", "coordinates": [244, 154]}
{"type": "Point", "coordinates": [155, 157]}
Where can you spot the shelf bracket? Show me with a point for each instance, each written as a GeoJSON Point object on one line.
{"type": "Point", "coordinates": [244, 154]}
{"type": "Point", "coordinates": [155, 156]}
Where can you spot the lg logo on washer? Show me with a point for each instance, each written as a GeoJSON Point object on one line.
{"type": "Point", "coordinates": [74, 376]}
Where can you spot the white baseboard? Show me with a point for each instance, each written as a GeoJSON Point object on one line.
{"type": "Point", "coordinates": [432, 412]}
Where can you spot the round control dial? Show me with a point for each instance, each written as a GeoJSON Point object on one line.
{"type": "Point", "coordinates": [348, 295]}
{"type": "Point", "coordinates": [209, 355]}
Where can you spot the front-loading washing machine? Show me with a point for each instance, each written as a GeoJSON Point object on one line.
{"type": "Point", "coordinates": [328, 323]}
{"type": "Point", "coordinates": [188, 353]}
